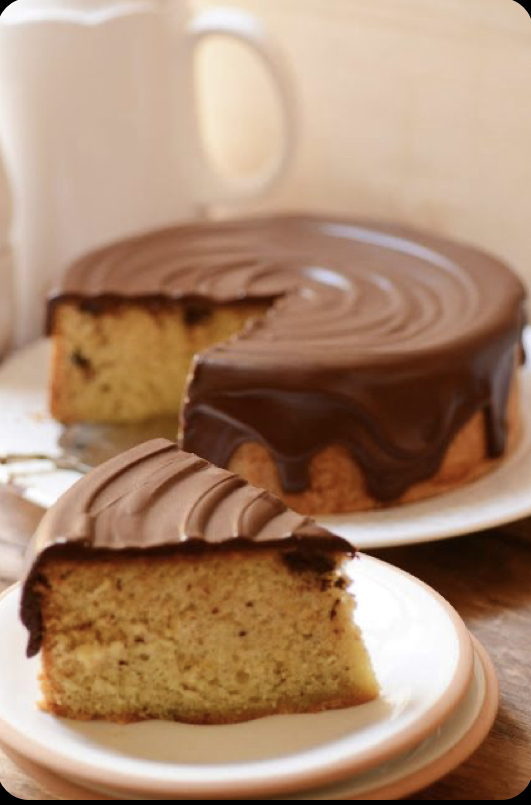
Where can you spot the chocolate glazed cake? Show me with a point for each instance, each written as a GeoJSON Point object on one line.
{"type": "Point", "coordinates": [164, 587]}
{"type": "Point", "coordinates": [340, 365]}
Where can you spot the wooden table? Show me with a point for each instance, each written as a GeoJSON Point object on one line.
{"type": "Point", "coordinates": [487, 578]}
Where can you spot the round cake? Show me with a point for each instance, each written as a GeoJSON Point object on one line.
{"type": "Point", "coordinates": [341, 365]}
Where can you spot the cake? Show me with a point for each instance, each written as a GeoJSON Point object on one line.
{"type": "Point", "coordinates": [164, 587]}
{"type": "Point", "coordinates": [343, 366]}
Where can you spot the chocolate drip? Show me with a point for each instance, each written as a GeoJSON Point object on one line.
{"type": "Point", "coordinates": [378, 339]}
{"type": "Point", "coordinates": [420, 411]}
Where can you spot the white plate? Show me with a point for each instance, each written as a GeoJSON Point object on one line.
{"type": "Point", "coordinates": [440, 753]}
{"type": "Point", "coordinates": [423, 658]}
{"type": "Point", "coordinates": [501, 497]}
{"type": "Point", "coordinates": [26, 426]}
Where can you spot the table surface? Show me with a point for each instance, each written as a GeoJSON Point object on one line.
{"type": "Point", "coordinates": [487, 578]}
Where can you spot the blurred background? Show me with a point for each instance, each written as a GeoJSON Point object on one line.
{"type": "Point", "coordinates": [416, 111]}
{"type": "Point", "coordinates": [412, 110]}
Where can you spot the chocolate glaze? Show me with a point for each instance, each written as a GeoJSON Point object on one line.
{"type": "Point", "coordinates": [378, 339]}
{"type": "Point", "coordinates": [156, 498]}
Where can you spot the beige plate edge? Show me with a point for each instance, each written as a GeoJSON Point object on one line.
{"type": "Point", "coordinates": [336, 772]}
{"type": "Point", "coordinates": [63, 789]}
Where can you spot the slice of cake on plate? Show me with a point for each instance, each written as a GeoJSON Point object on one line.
{"type": "Point", "coordinates": [164, 587]}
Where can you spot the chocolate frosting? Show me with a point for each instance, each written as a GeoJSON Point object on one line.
{"type": "Point", "coordinates": [379, 339]}
{"type": "Point", "coordinates": [157, 497]}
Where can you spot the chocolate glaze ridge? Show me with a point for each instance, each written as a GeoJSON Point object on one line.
{"type": "Point", "coordinates": [380, 339]}
{"type": "Point", "coordinates": [156, 498]}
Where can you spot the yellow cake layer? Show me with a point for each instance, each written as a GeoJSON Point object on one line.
{"type": "Point", "coordinates": [132, 363]}
{"type": "Point", "coordinates": [219, 637]}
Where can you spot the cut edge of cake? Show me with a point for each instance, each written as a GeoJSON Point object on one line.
{"type": "Point", "coordinates": [210, 626]}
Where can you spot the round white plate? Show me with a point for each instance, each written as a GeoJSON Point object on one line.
{"type": "Point", "coordinates": [500, 497]}
{"type": "Point", "coordinates": [440, 753]}
{"type": "Point", "coordinates": [423, 658]}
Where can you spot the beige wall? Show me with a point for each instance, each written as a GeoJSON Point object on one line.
{"type": "Point", "coordinates": [416, 110]}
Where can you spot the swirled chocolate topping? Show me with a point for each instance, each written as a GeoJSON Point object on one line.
{"type": "Point", "coordinates": [157, 497]}
{"type": "Point", "coordinates": [378, 339]}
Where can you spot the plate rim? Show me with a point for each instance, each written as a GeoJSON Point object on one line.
{"type": "Point", "coordinates": [403, 787]}
{"type": "Point", "coordinates": [518, 452]}
{"type": "Point", "coordinates": [356, 519]}
{"type": "Point", "coordinates": [290, 782]}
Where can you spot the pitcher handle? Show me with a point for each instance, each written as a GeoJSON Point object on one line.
{"type": "Point", "coordinates": [246, 28]}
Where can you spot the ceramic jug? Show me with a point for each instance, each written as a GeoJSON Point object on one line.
{"type": "Point", "coordinates": [98, 118]}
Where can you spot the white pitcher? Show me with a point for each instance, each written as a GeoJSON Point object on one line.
{"type": "Point", "coordinates": [98, 121]}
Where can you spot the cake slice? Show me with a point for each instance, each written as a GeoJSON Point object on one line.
{"type": "Point", "coordinates": [164, 587]}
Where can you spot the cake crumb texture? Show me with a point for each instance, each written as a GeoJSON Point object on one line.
{"type": "Point", "coordinates": [132, 364]}
{"type": "Point", "coordinates": [210, 638]}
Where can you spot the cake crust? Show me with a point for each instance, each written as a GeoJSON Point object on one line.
{"type": "Point", "coordinates": [337, 484]}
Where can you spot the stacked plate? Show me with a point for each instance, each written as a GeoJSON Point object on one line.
{"type": "Point", "coordinates": [439, 699]}
{"type": "Point", "coordinates": [439, 690]}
